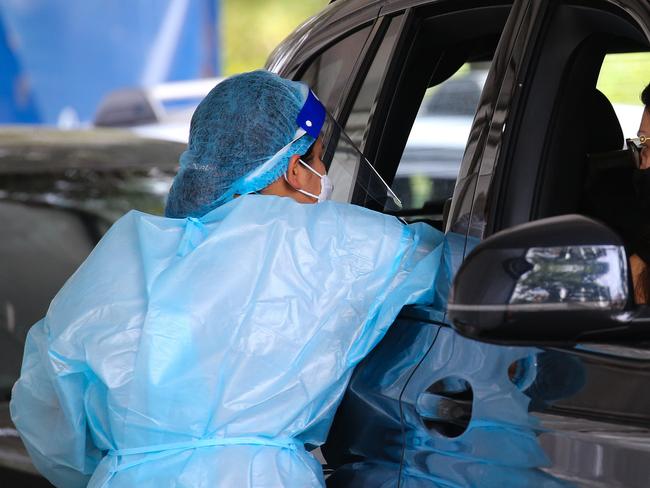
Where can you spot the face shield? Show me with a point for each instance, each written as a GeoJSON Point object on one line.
{"type": "Point", "coordinates": [344, 161]}
{"type": "Point", "coordinates": [347, 167]}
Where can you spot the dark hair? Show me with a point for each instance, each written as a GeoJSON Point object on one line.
{"type": "Point", "coordinates": [645, 96]}
{"type": "Point", "coordinates": [310, 152]}
{"type": "Point", "coordinates": [307, 157]}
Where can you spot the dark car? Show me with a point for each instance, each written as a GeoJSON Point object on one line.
{"type": "Point", "coordinates": [59, 193]}
{"type": "Point", "coordinates": [537, 373]}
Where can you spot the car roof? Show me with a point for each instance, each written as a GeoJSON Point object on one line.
{"type": "Point", "coordinates": [337, 18]}
{"type": "Point", "coordinates": [29, 149]}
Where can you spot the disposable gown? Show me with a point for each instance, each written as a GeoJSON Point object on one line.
{"type": "Point", "coordinates": [208, 352]}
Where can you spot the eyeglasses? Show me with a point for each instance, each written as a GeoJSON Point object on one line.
{"type": "Point", "coordinates": [636, 146]}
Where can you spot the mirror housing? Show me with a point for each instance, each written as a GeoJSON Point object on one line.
{"type": "Point", "coordinates": [556, 280]}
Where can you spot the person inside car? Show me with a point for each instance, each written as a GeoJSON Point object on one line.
{"type": "Point", "coordinates": [619, 194]}
{"type": "Point", "coordinates": [209, 347]}
{"type": "Point", "coordinates": [644, 131]}
{"type": "Point", "coordinates": [639, 148]}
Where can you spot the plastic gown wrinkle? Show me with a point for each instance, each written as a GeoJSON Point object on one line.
{"type": "Point", "coordinates": [227, 335]}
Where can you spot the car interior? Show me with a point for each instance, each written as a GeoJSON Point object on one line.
{"type": "Point", "coordinates": [584, 166]}
{"type": "Point", "coordinates": [436, 47]}
{"type": "Point", "coordinates": [567, 134]}
{"type": "Point", "coordinates": [564, 125]}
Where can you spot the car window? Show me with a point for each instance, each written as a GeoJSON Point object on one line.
{"type": "Point", "coordinates": [431, 159]}
{"type": "Point", "coordinates": [344, 164]}
{"type": "Point", "coordinates": [621, 79]}
{"type": "Point", "coordinates": [611, 193]}
{"type": "Point", "coordinates": [328, 73]}
{"type": "Point", "coordinates": [568, 121]}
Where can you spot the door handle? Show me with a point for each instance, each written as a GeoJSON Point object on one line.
{"type": "Point", "coordinates": [446, 406]}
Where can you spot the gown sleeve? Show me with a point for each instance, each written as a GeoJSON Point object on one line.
{"type": "Point", "coordinates": [420, 275]}
{"type": "Point", "coordinates": [47, 407]}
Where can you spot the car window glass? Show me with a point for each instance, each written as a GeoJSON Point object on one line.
{"type": "Point", "coordinates": [622, 77]}
{"type": "Point", "coordinates": [328, 74]}
{"type": "Point", "coordinates": [431, 159]}
{"type": "Point", "coordinates": [342, 170]}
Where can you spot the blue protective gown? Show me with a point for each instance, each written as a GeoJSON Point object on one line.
{"type": "Point", "coordinates": [207, 352]}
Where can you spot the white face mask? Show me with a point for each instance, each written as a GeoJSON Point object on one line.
{"type": "Point", "coordinates": [326, 186]}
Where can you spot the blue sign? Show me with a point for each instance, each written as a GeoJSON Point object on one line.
{"type": "Point", "coordinates": [65, 55]}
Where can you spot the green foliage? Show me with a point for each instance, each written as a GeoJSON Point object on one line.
{"type": "Point", "coordinates": [623, 77]}
{"type": "Point", "coordinates": [251, 29]}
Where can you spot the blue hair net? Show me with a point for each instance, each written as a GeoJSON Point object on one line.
{"type": "Point", "coordinates": [242, 136]}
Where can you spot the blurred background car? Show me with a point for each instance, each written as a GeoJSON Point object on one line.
{"type": "Point", "coordinates": [161, 111]}
{"type": "Point", "coordinates": [60, 191]}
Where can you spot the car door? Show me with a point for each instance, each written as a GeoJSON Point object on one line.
{"type": "Point", "coordinates": [422, 51]}
{"type": "Point", "coordinates": [464, 416]}
{"type": "Point", "coordinates": [569, 416]}
{"type": "Point", "coordinates": [429, 407]}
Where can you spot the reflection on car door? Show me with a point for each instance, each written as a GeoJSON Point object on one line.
{"type": "Point", "coordinates": [373, 439]}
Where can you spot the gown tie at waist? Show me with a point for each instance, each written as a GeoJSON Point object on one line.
{"type": "Point", "coordinates": [158, 451]}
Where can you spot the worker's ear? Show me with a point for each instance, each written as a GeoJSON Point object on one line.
{"type": "Point", "coordinates": [295, 172]}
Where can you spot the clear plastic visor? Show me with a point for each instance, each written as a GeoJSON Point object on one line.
{"type": "Point", "coordinates": [354, 177]}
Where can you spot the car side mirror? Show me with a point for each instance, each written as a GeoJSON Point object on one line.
{"type": "Point", "coordinates": [557, 280]}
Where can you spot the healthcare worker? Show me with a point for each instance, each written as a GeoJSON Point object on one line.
{"type": "Point", "coordinates": [211, 346]}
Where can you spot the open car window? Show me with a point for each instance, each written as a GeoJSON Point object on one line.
{"type": "Point", "coordinates": [429, 165]}
{"type": "Point", "coordinates": [567, 114]}
{"type": "Point", "coordinates": [419, 101]}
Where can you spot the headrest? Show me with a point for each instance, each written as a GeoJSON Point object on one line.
{"type": "Point", "coordinates": [604, 131]}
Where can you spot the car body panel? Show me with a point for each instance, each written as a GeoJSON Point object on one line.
{"type": "Point", "coordinates": [334, 21]}
{"type": "Point", "coordinates": [59, 192]}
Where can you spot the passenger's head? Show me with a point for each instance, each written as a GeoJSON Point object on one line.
{"type": "Point", "coordinates": [243, 138]}
{"type": "Point", "coordinates": [644, 128]}
{"type": "Point", "coordinates": [645, 96]}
